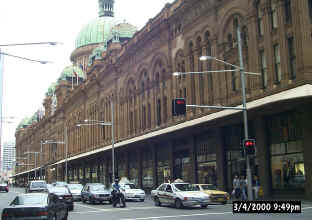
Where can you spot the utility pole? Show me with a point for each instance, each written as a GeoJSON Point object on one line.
{"type": "Point", "coordinates": [242, 74]}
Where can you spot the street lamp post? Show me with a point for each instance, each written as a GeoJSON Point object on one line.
{"type": "Point", "coordinates": [244, 108]}
{"type": "Point", "coordinates": [103, 123]}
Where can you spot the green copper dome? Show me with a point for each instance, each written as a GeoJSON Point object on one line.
{"type": "Point", "coordinates": [122, 30]}
{"type": "Point", "coordinates": [70, 71]}
{"type": "Point", "coordinates": [24, 123]}
{"type": "Point", "coordinates": [96, 31]}
{"type": "Point", "coordinates": [51, 89]}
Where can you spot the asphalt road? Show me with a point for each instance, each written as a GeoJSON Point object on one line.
{"type": "Point", "coordinates": [148, 211]}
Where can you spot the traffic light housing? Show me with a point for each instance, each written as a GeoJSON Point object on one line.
{"type": "Point", "coordinates": [178, 106]}
{"type": "Point", "coordinates": [249, 146]}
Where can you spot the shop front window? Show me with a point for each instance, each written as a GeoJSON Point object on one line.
{"type": "Point", "coordinates": [182, 166]}
{"type": "Point", "coordinates": [134, 168]}
{"type": "Point", "coordinates": [147, 165]}
{"type": "Point", "coordinates": [121, 165]}
{"type": "Point", "coordinates": [206, 158]}
{"type": "Point", "coordinates": [80, 177]}
{"type": "Point", "coordinates": [163, 169]}
{"type": "Point", "coordinates": [286, 149]}
{"type": "Point", "coordinates": [94, 173]}
{"type": "Point", "coordinates": [87, 173]}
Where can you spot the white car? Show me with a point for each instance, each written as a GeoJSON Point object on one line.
{"type": "Point", "coordinates": [131, 192]}
{"type": "Point", "coordinates": [179, 194]}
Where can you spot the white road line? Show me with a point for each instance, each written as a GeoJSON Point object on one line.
{"type": "Point", "coordinates": [113, 209]}
{"type": "Point", "coordinates": [178, 216]}
{"type": "Point", "coordinates": [306, 208]}
{"type": "Point", "coordinates": [90, 207]}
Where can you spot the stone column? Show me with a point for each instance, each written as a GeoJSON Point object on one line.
{"type": "Point", "coordinates": [139, 152]}
{"type": "Point", "coordinates": [155, 176]}
{"type": "Point", "coordinates": [192, 149]}
{"type": "Point", "coordinates": [307, 149]}
{"type": "Point", "coordinates": [263, 155]}
{"type": "Point", "coordinates": [221, 160]}
{"type": "Point", "coordinates": [171, 158]}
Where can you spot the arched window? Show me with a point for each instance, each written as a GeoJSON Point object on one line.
{"type": "Point", "coordinates": [230, 40]}
{"type": "Point", "coordinates": [158, 108]}
{"type": "Point", "coordinates": [191, 55]}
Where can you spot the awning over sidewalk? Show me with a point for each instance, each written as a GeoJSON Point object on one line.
{"type": "Point", "coordinates": [304, 91]}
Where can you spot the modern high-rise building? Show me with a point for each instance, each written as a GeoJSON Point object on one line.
{"type": "Point", "coordinates": [8, 158]}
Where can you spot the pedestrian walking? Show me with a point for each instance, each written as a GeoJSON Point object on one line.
{"type": "Point", "coordinates": [256, 186]}
{"type": "Point", "coordinates": [243, 186]}
{"type": "Point", "coordinates": [236, 187]}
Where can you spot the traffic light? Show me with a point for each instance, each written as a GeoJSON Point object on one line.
{"type": "Point", "coordinates": [250, 146]}
{"type": "Point", "coordinates": [178, 106]}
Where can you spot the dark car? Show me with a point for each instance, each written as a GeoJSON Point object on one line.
{"type": "Point", "coordinates": [64, 194]}
{"type": "Point", "coordinates": [4, 187]}
{"type": "Point", "coordinates": [37, 186]}
{"type": "Point", "coordinates": [75, 190]}
{"type": "Point", "coordinates": [96, 192]}
{"type": "Point", "coordinates": [36, 206]}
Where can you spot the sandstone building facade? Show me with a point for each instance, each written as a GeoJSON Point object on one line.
{"type": "Point", "coordinates": [132, 70]}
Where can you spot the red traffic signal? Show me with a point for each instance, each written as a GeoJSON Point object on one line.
{"type": "Point", "coordinates": [178, 106]}
{"type": "Point", "coordinates": [250, 146]}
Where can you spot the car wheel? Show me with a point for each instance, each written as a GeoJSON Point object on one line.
{"type": "Point", "coordinates": [178, 204]}
{"type": "Point", "coordinates": [141, 200]}
{"type": "Point", "coordinates": [157, 202]}
{"type": "Point", "coordinates": [110, 201]}
{"type": "Point", "coordinates": [224, 203]}
{"type": "Point", "coordinates": [203, 206]}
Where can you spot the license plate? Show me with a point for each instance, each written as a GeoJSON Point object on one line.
{"type": "Point", "coordinates": [220, 199]}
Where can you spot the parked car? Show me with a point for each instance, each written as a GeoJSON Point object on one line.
{"type": "Point", "coordinates": [35, 206]}
{"type": "Point", "coordinates": [37, 186]}
{"type": "Point", "coordinates": [131, 192]}
{"type": "Point", "coordinates": [59, 183]}
{"type": "Point", "coordinates": [49, 186]}
{"type": "Point", "coordinates": [75, 190]}
{"type": "Point", "coordinates": [64, 195]}
{"type": "Point", "coordinates": [4, 187]}
{"type": "Point", "coordinates": [96, 192]}
{"type": "Point", "coordinates": [214, 194]}
{"type": "Point", "coordinates": [179, 194]}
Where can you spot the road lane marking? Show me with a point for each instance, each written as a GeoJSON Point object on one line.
{"type": "Point", "coordinates": [306, 208]}
{"type": "Point", "coordinates": [178, 216]}
{"type": "Point", "coordinates": [112, 209]}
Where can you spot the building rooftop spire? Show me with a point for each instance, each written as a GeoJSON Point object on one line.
{"type": "Point", "coordinates": [106, 8]}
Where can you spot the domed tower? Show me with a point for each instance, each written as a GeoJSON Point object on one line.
{"type": "Point", "coordinates": [94, 34]}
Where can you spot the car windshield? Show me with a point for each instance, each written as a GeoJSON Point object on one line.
{"type": "Point", "coordinates": [130, 186]}
{"type": "Point", "coordinates": [98, 188]}
{"type": "Point", "coordinates": [209, 187]}
{"type": "Point", "coordinates": [59, 190]}
{"type": "Point", "coordinates": [38, 185]}
{"type": "Point", "coordinates": [75, 187]}
{"type": "Point", "coordinates": [185, 187]}
{"type": "Point", "coordinates": [3, 184]}
{"type": "Point", "coordinates": [31, 199]}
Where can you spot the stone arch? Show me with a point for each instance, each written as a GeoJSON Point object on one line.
{"type": "Point", "coordinates": [227, 20]}
{"type": "Point", "coordinates": [159, 64]}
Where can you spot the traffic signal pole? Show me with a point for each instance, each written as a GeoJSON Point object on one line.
{"type": "Point", "coordinates": [242, 74]}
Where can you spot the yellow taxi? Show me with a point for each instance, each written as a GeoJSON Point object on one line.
{"type": "Point", "coordinates": [214, 194]}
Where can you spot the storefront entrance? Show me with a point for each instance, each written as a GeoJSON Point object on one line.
{"type": "Point", "coordinates": [182, 166]}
